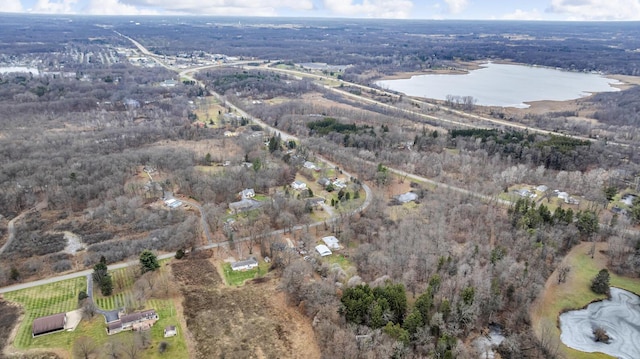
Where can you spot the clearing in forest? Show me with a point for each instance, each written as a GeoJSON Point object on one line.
{"type": "Point", "coordinates": [252, 321]}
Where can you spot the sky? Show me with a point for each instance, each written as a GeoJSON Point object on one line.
{"type": "Point", "coordinates": [563, 10]}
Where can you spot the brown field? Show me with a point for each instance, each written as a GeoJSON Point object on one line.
{"type": "Point", "coordinates": [252, 321]}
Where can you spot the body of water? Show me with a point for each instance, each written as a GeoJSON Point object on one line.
{"type": "Point", "coordinates": [10, 69]}
{"type": "Point", "coordinates": [619, 317]}
{"type": "Point", "coordinates": [504, 85]}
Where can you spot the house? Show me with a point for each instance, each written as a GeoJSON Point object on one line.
{"type": "Point", "coordinates": [169, 83]}
{"type": "Point", "coordinates": [542, 188]}
{"type": "Point", "coordinates": [49, 324]}
{"type": "Point", "coordinates": [324, 181]}
{"type": "Point", "coordinates": [564, 196]}
{"type": "Point", "coordinates": [246, 264]}
{"type": "Point", "coordinates": [525, 193]}
{"type": "Point", "coordinates": [323, 250]}
{"type": "Point", "coordinates": [339, 184]}
{"type": "Point", "coordinates": [298, 185]}
{"type": "Point", "coordinates": [172, 203]}
{"type": "Point", "coordinates": [315, 201]}
{"type": "Point", "coordinates": [406, 197]}
{"type": "Point", "coordinates": [331, 242]}
{"type": "Point", "coordinates": [247, 193]}
{"type": "Point", "coordinates": [310, 165]}
{"type": "Point", "coordinates": [244, 204]}
{"type": "Point", "coordinates": [170, 331]}
{"type": "Point", "coordinates": [135, 321]}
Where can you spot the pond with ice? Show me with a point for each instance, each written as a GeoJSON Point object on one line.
{"type": "Point", "coordinates": [618, 316]}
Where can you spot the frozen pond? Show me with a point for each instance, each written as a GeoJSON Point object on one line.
{"type": "Point", "coordinates": [504, 85]}
{"type": "Point", "coordinates": [619, 317]}
{"type": "Point", "coordinates": [484, 345]}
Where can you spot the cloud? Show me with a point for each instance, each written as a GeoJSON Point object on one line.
{"type": "Point", "coordinates": [222, 7]}
{"type": "Point", "coordinates": [457, 6]}
{"type": "Point", "coordinates": [114, 7]}
{"type": "Point", "coordinates": [54, 6]}
{"type": "Point", "coordinates": [523, 15]}
{"type": "Point", "coordinates": [11, 6]}
{"type": "Point", "coordinates": [596, 9]}
{"type": "Point", "coordinates": [390, 9]}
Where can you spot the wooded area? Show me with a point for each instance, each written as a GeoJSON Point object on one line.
{"type": "Point", "coordinates": [93, 150]}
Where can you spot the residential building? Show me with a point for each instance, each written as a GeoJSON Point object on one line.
{"type": "Point", "coordinates": [246, 264]}
{"type": "Point", "coordinates": [135, 321]}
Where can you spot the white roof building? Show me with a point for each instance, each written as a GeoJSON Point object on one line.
{"type": "Point", "coordinates": [331, 242]}
{"type": "Point", "coordinates": [248, 193]}
{"type": "Point", "coordinates": [323, 250]}
{"type": "Point", "coordinates": [246, 264]}
{"type": "Point", "coordinates": [298, 185]}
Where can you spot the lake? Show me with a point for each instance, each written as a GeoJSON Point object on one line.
{"type": "Point", "coordinates": [619, 317]}
{"type": "Point", "coordinates": [10, 69]}
{"type": "Point", "coordinates": [504, 85]}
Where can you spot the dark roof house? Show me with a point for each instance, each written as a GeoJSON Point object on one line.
{"type": "Point", "coordinates": [49, 324]}
{"type": "Point", "coordinates": [134, 321]}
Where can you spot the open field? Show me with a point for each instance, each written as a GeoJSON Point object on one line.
{"type": "Point", "coordinates": [575, 293]}
{"type": "Point", "coordinates": [237, 278]}
{"type": "Point", "coordinates": [248, 322]}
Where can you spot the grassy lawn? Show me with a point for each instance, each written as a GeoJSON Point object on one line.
{"type": "Point", "coordinates": [237, 278]}
{"type": "Point", "coordinates": [45, 300]}
{"type": "Point", "coordinates": [575, 293]}
{"type": "Point", "coordinates": [177, 346]}
{"type": "Point", "coordinates": [62, 297]}
{"type": "Point", "coordinates": [338, 258]}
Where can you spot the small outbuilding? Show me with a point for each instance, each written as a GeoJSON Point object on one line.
{"type": "Point", "coordinates": [170, 331]}
{"type": "Point", "coordinates": [323, 250]}
{"type": "Point", "coordinates": [49, 324]}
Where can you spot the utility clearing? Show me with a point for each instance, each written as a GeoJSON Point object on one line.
{"type": "Point", "coordinates": [252, 321]}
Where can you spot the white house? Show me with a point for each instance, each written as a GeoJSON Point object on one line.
{"type": "Point", "coordinates": [247, 193]}
{"type": "Point", "coordinates": [323, 250]}
{"type": "Point", "coordinates": [298, 185]}
{"type": "Point", "coordinates": [407, 197]}
{"type": "Point", "coordinates": [246, 264]}
{"type": "Point", "coordinates": [309, 165]}
{"type": "Point", "coordinates": [331, 242]}
{"type": "Point", "coordinates": [173, 203]}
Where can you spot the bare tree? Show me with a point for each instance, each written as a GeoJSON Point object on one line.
{"type": "Point", "coordinates": [563, 270]}
{"type": "Point", "coordinates": [84, 347]}
{"type": "Point", "coordinates": [131, 347]}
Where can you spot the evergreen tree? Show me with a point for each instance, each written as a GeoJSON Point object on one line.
{"type": "Point", "coordinates": [148, 261]}
{"type": "Point", "coordinates": [600, 284]}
